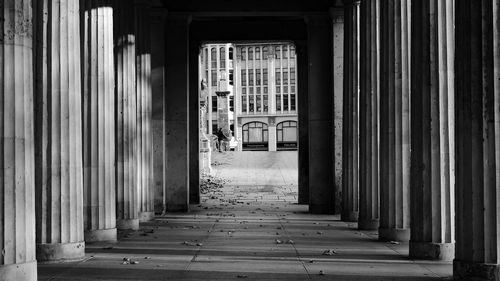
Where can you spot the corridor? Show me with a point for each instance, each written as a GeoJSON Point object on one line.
{"type": "Point", "coordinates": [252, 232]}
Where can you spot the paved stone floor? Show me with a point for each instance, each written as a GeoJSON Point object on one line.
{"type": "Point", "coordinates": [252, 229]}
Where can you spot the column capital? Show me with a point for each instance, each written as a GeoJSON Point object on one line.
{"type": "Point", "coordinates": [337, 14]}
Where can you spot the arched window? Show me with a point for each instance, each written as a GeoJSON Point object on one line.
{"type": "Point", "coordinates": [206, 58]}
{"type": "Point", "coordinates": [231, 53]}
{"type": "Point", "coordinates": [265, 53]}
{"type": "Point", "coordinates": [292, 51]}
{"type": "Point", "coordinates": [255, 136]}
{"type": "Point", "coordinates": [250, 53]}
{"type": "Point", "coordinates": [286, 135]}
{"type": "Point", "coordinates": [222, 55]}
{"type": "Point", "coordinates": [278, 52]}
{"type": "Point", "coordinates": [285, 52]}
{"type": "Point", "coordinates": [243, 54]}
{"type": "Point", "coordinates": [257, 53]}
{"type": "Point", "coordinates": [213, 57]}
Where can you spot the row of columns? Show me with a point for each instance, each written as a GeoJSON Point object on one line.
{"type": "Point", "coordinates": [75, 145]}
{"type": "Point", "coordinates": [407, 166]}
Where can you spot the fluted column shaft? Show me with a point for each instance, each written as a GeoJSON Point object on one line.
{"type": "Point", "coordinates": [321, 158]}
{"type": "Point", "coordinates": [99, 122]}
{"type": "Point", "coordinates": [368, 115]}
{"type": "Point", "coordinates": [17, 171]}
{"type": "Point", "coordinates": [477, 139]}
{"type": "Point", "coordinates": [144, 98]}
{"type": "Point", "coordinates": [394, 120]}
{"type": "Point", "coordinates": [350, 144]}
{"type": "Point", "coordinates": [432, 130]}
{"type": "Point", "coordinates": [59, 182]}
{"type": "Point", "coordinates": [125, 116]}
{"type": "Point", "coordinates": [176, 113]}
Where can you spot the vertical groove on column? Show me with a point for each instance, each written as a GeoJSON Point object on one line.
{"type": "Point", "coordinates": [350, 154]}
{"type": "Point", "coordinates": [17, 191]}
{"type": "Point", "coordinates": [477, 136]}
{"type": "Point", "coordinates": [368, 112]}
{"type": "Point", "coordinates": [98, 122]}
{"type": "Point", "coordinates": [394, 120]}
{"type": "Point", "coordinates": [143, 64]}
{"type": "Point", "coordinates": [125, 113]}
{"type": "Point", "coordinates": [432, 158]}
{"type": "Point", "coordinates": [59, 217]}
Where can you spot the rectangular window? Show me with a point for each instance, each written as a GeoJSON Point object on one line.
{"type": "Point", "coordinates": [243, 77]}
{"type": "Point", "coordinates": [231, 103]}
{"type": "Point", "coordinates": [250, 77]}
{"type": "Point", "coordinates": [292, 102]}
{"type": "Point", "coordinates": [285, 89]}
{"type": "Point", "coordinates": [251, 90]}
{"type": "Point", "coordinates": [266, 103]}
{"type": "Point", "coordinates": [292, 75]}
{"type": "Point", "coordinates": [278, 76]}
{"type": "Point", "coordinates": [285, 77]}
{"type": "Point", "coordinates": [231, 77]}
{"type": "Point", "coordinates": [265, 76]}
{"type": "Point", "coordinates": [214, 127]}
{"type": "Point", "coordinates": [244, 104]}
{"type": "Point", "coordinates": [250, 104]}
{"type": "Point", "coordinates": [258, 104]}
{"type": "Point", "coordinates": [214, 78]}
{"type": "Point", "coordinates": [243, 91]}
{"type": "Point", "coordinates": [278, 102]}
{"type": "Point", "coordinates": [292, 89]}
{"type": "Point", "coordinates": [285, 102]}
{"type": "Point", "coordinates": [278, 89]}
{"type": "Point", "coordinates": [257, 77]}
{"type": "Point", "coordinates": [214, 104]}
{"type": "Point", "coordinates": [265, 90]}
{"type": "Point", "coordinates": [258, 90]}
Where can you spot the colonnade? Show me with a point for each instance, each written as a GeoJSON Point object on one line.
{"type": "Point", "coordinates": [76, 107]}
{"type": "Point", "coordinates": [428, 128]}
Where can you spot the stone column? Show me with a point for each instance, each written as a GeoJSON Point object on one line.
{"type": "Point", "coordinates": [125, 117]}
{"type": "Point", "coordinates": [477, 138]}
{"type": "Point", "coordinates": [17, 169]}
{"type": "Point", "coordinates": [368, 116]}
{"type": "Point", "coordinates": [58, 158]}
{"type": "Point", "coordinates": [350, 121]}
{"type": "Point", "coordinates": [303, 118]}
{"type": "Point", "coordinates": [432, 130]}
{"type": "Point", "coordinates": [321, 159]}
{"type": "Point", "coordinates": [338, 95]}
{"type": "Point", "coordinates": [394, 120]}
{"type": "Point", "coordinates": [176, 113]}
{"type": "Point", "coordinates": [271, 129]}
{"type": "Point", "coordinates": [98, 122]}
{"type": "Point", "coordinates": [158, 92]}
{"type": "Point", "coordinates": [143, 90]}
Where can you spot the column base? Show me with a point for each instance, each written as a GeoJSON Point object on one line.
{"type": "Point", "coordinates": [127, 224]}
{"type": "Point", "coordinates": [98, 235]}
{"type": "Point", "coordinates": [146, 216]}
{"type": "Point", "coordinates": [19, 271]}
{"type": "Point", "coordinates": [60, 252]}
{"type": "Point", "coordinates": [321, 209]}
{"type": "Point", "coordinates": [432, 251]}
{"type": "Point", "coordinates": [349, 216]}
{"type": "Point", "coordinates": [368, 224]}
{"type": "Point", "coordinates": [463, 270]}
{"type": "Point", "coordinates": [394, 234]}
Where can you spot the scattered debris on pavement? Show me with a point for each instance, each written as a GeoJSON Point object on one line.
{"type": "Point", "coordinates": [329, 252]}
